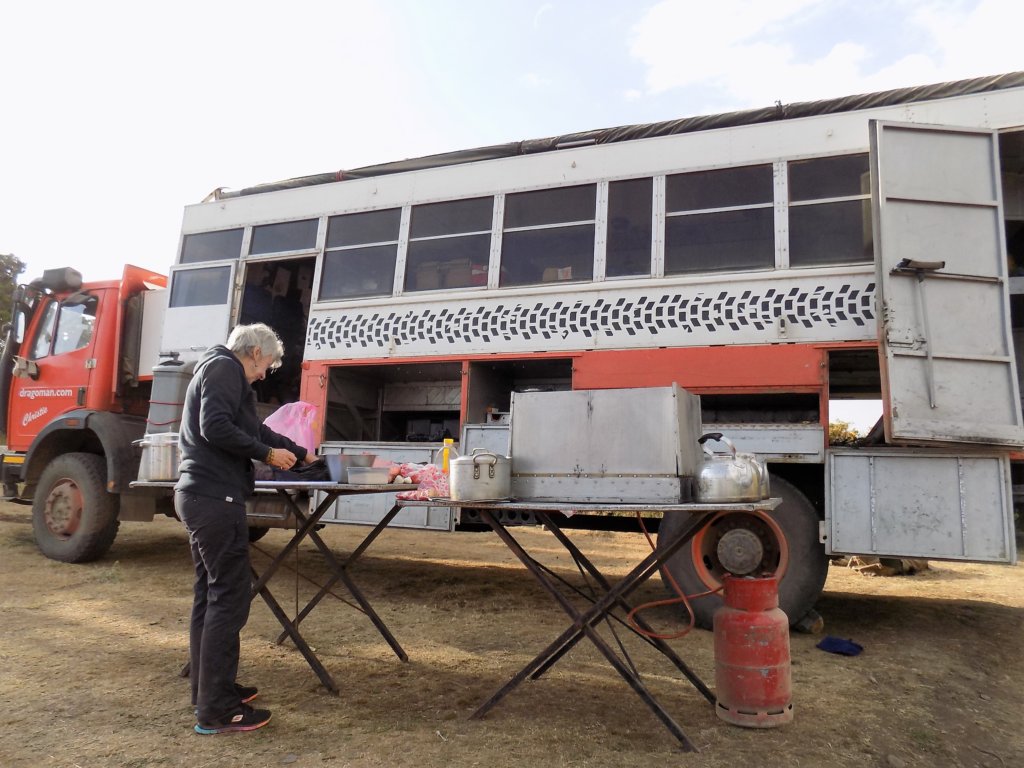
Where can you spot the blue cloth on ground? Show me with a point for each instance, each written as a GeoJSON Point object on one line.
{"type": "Point", "coordinates": [840, 646]}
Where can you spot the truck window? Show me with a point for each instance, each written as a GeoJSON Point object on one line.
{"type": "Point", "coordinates": [721, 220]}
{"type": "Point", "coordinates": [75, 324]}
{"type": "Point", "coordinates": [449, 244]}
{"type": "Point", "coordinates": [211, 246]}
{"type": "Point", "coordinates": [44, 332]}
{"type": "Point", "coordinates": [628, 250]}
{"type": "Point", "coordinates": [549, 236]}
{"type": "Point", "coordinates": [360, 256]}
{"type": "Point", "coordinates": [287, 236]}
{"type": "Point", "coordinates": [830, 211]}
{"type": "Point", "coordinates": [200, 287]}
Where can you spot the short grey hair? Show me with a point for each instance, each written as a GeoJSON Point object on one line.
{"type": "Point", "coordinates": [245, 338]}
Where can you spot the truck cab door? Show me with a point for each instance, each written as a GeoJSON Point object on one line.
{"type": "Point", "coordinates": [198, 308]}
{"type": "Point", "coordinates": [55, 368]}
{"type": "Point", "coordinates": [946, 349]}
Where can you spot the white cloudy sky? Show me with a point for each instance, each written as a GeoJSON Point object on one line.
{"type": "Point", "coordinates": [117, 114]}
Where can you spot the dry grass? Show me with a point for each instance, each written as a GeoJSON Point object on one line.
{"type": "Point", "coordinates": [90, 656]}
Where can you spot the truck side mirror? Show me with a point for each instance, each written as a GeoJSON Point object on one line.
{"type": "Point", "coordinates": [25, 368]}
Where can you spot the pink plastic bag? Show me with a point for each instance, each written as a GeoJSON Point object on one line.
{"type": "Point", "coordinates": [299, 421]}
{"type": "Point", "coordinates": [433, 483]}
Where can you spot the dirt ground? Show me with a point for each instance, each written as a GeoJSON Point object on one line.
{"type": "Point", "coordinates": [90, 654]}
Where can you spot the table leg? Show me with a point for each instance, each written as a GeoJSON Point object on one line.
{"type": "Point", "coordinates": [658, 643]}
{"type": "Point", "coordinates": [339, 574]}
{"type": "Point", "coordinates": [307, 525]}
{"type": "Point", "coordinates": [260, 587]}
{"type": "Point", "coordinates": [583, 623]}
{"type": "Point", "coordinates": [300, 643]}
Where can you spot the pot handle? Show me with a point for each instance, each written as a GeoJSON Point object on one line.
{"type": "Point", "coordinates": [482, 452]}
{"type": "Point", "coordinates": [718, 437]}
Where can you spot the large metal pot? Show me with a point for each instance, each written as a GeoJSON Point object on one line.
{"type": "Point", "coordinates": [159, 456]}
{"type": "Point", "coordinates": [481, 476]}
{"type": "Point", "coordinates": [730, 477]}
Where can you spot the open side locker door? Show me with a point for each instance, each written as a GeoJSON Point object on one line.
{"type": "Point", "coordinates": [945, 345]}
{"type": "Point", "coordinates": [198, 308]}
{"type": "Point", "coordinates": [949, 376]}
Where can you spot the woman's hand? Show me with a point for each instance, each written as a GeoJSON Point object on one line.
{"type": "Point", "coordinates": [281, 458]}
{"type": "Point", "coordinates": [310, 458]}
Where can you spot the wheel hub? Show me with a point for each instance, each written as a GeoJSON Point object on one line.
{"type": "Point", "coordinates": [64, 509]}
{"type": "Point", "coordinates": [739, 543]}
{"type": "Point", "coordinates": [740, 551]}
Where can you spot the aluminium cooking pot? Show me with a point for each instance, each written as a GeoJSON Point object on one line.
{"type": "Point", "coordinates": [481, 476]}
{"type": "Point", "coordinates": [159, 456]}
{"type": "Point", "coordinates": [730, 477]}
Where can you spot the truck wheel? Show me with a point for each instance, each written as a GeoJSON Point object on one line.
{"type": "Point", "coordinates": [257, 532]}
{"type": "Point", "coordinates": [784, 542]}
{"type": "Point", "coordinates": [74, 519]}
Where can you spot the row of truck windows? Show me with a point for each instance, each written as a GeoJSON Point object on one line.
{"type": "Point", "coordinates": [714, 221]}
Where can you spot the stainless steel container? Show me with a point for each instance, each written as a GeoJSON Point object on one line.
{"type": "Point", "coordinates": [338, 464]}
{"type": "Point", "coordinates": [368, 475]}
{"type": "Point", "coordinates": [481, 476]}
{"type": "Point", "coordinates": [167, 401]}
{"type": "Point", "coordinates": [160, 456]}
{"type": "Point", "coordinates": [608, 445]}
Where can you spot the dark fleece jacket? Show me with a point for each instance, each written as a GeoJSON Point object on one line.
{"type": "Point", "coordinates": [220, 431]}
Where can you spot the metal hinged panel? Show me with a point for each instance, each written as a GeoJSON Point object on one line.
{"type": "Point", "coordinates": [946, 352]}
{"type": "Point", "coordinates": [191, 330]}
{"type": "Point", "coordinates": [777, 443]}
{"type": "Point", "coordinates": [904, 503]}
{"type": "Point", "coordinates": [606, 444]}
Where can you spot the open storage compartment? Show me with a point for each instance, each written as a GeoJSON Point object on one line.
{"type": "Point", "coordinates": [492, 382]}
{"type": "Point", "coordinates": [406, 402]}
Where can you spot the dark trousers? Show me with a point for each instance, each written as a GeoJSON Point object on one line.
{"type": "Point", "coordinates": [219, 537]}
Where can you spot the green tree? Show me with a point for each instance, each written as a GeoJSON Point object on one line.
{"type": "Point", "coordinates": [841, 433]}
{"type": "Point", "coordinates": [10, 267]}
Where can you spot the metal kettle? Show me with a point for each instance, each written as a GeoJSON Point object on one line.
{"type": "Point", "coordinates": [730, 477]}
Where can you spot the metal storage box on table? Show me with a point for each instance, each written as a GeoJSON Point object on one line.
{"type": "Point", "coordinates": [606, 445]}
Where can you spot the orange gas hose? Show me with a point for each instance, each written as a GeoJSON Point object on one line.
{"type": "Point", "coordinates": [680, 598]}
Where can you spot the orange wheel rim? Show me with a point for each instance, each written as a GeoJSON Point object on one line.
{"type": "Point", "coordinates": [703, 548]}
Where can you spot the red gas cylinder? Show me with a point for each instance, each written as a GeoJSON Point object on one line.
{"type": "Point", "coordinates": [752, 674]}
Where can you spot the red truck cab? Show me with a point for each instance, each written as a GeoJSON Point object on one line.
{"type": "Point", "coordinates": [74, 395]}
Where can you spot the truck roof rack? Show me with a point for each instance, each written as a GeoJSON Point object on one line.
{"type": "Point", "coordinates": [778, 111]}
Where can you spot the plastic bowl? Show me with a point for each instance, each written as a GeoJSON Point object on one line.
{"type": "Point", "coordinates": [338, 464]}
{"type": "Point", "coordinates": [368, 475]}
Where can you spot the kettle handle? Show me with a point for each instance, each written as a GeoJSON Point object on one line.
{"type": "Point", "coordinates": [718, 437]}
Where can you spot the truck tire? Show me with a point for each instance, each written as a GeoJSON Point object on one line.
{"type": "Point", "coordinates": [257, 532]}
{"type": "Point", "coordinates": [74, 519]}
{"type": "Point", "coordinates": [784, 541]}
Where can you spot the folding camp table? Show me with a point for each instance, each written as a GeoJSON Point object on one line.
{"type": "Point", "coordinates": [584, 622]}
{"type": "Point", "coordinates": [306, 525]}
